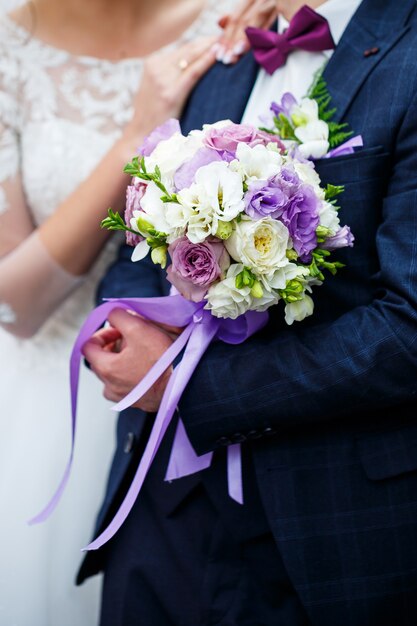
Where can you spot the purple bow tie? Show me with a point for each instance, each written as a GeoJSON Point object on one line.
{"type": "Point", "coordinates": [307, 31]}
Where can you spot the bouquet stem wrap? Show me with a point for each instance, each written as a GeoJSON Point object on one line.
{"type": "Point", "coordinates": [200, 329]}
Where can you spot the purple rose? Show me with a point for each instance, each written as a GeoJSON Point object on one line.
{"type": "Point", "coordinates": [134, 194]}
{"type": "Point", "coordinates": [161, 133]}
{"type": "Point", "coordinates": [226, 140]}
{"type": "Point", "coordinates": [342, 239]}
{"type": "Point", "coordinates": [266, 138]}
{"type": "Point", "coordinates": [196, 266]}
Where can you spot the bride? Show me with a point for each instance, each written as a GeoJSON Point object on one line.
{"type": "Point", "coordinates": [76, 99]}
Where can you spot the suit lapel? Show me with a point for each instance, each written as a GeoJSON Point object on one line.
{"type": "Point", "coordinates": [221, 94]}
{"type": "Point", "coordinates": [376, 24]}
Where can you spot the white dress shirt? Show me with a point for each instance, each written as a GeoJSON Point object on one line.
{"type": "Point", "coordinates": [297, 75]}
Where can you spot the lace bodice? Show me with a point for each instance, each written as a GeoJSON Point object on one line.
{"type": "Point", "coordinates": [59, 115]}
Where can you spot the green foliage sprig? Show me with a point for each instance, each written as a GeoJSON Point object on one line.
{"type": "Point", "coordinates": [338, 133]}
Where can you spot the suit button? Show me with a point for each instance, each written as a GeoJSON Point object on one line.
{"type": "Point", "coordinates": [129, 443]}
{"type": "Point", "coordinates": [269, 432]}
{"type": "Point", "coordinates": [238, 438]}
{"type": "Point", "coordinates": [254, 434]}
{"type": "Point", "coordinates": [224, 441]}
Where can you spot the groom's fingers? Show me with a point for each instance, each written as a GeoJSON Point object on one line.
{"type": "Point", "coordinates": [96, 355]}
{"type": "Point", "coordinates": [126, 323]}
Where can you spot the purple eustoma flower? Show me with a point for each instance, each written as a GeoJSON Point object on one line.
{"type": "Point", "coordinates": [301, 218]}
{"type": "Point", "coordinates": [196, 266]}
{"type": "Point", "coordinates": [161, 133]}
{"type": "Point", "coordinates": [342, 239]}
{"type": "Point", "coordinates": [286, 198]}
{"type": "Point", "coordinates": [184, 176]}
{"type": "Point", "coordinates": [266, 198]}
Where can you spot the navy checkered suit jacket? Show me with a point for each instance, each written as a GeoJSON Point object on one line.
{"type": "Point", "coordinates": [329, 406]}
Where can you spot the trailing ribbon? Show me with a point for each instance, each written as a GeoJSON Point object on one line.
{"type": "Point", "coordinates": [200, 329]}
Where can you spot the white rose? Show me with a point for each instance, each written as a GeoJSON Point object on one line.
{"type": "Point", "coordinates": [225, 300]}
{"type": "Point", "coordinates": [297, 311]}
{"type": "Point", "coordinates": [308, 175]}
{"type": "Point", "coordinates": [256, 163]}
{"type": "Point", "coordinates": [329, 216]}
{"type": "Point", "coordinates": [260, 245]}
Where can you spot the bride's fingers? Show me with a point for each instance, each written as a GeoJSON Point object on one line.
{"type": "Point", "coordinates": [193, 50]}
{"type": "Point", "coordinates": [234, 43]}
{"type": "Point", "coordinates": [192, 71]}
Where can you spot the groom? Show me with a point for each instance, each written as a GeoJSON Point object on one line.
{"type": "Point", "coordinates": [326, 411]}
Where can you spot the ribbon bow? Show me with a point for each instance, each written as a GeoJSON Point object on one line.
{"type": "Point", "coordinates": [307, 31]}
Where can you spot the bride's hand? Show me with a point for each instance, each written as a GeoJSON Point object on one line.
{"type": "Point", "coordinates": [233, 43]}
{"type": "Point", "coordinates": [167, 80]}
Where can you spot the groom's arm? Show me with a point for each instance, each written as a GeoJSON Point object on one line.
{"type": "Point", "coordinates": [364, 360]}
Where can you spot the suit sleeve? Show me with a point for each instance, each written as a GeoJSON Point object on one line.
{"type": "Point", "coordinates": [365, 360]}
{"type": "Point", "coordinates": [126, 279]}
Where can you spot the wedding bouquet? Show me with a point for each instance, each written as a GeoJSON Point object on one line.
{"type": "Point", "coordinates": [246, 224]}
{"type": "Point", "coordinates": [243, 219]}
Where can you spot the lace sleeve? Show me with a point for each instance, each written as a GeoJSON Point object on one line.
{"type": "Point", "coordinates": [32, 285]}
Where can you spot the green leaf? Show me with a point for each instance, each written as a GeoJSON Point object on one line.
{"type": "Point", "coordinates": [114, 221]}
{"type": "Point", "coordinates": [338, 133]}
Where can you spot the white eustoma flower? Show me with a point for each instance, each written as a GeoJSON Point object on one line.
{"type": "Point", "coordinates": [170, 154]}
{"type": "Point", "coordinates": [225, 300]}
{"type": "Point", "coordinates": [216, 194]}
{"type": "Point", "coordinates": [156, 213]}
{"type": "Point", "coordinates": [297, 311]}
{"type": "Point", "coordinates": [308, 175]}
{"type": "Point", "coordinates": [260, 245]}
{"type": "Point", "coordinates": [329, 216]}
{"type": "Point", "coordinates": [279, 278]}
{"type": "Point", "coordinates": [256, 163]}
{"type": "Point", "coordinates": [200, 134]}
{"type": "Point", "coordinates": [269, 298]}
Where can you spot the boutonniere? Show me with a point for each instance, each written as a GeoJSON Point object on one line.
{"type": "Point", "coordinates": [307, 126]}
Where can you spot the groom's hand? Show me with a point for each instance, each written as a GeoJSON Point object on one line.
{"type": "Point", "coordinates": [122, 355]}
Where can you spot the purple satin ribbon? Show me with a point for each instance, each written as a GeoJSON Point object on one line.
{"type": "Point", "coordinates": [346, 148]}
{"type": "Point", "coordinates": [307, 31]}
{"type": "Point", "coordinates": [200, 329]}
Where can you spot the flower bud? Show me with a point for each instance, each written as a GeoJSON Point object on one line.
{"type": "Point", "coordinates": [159, 256]}
{"type": "Point", "coordinates": [257, 291]}
{"type": "Point", "coordinates": [143, 226]}
{"type": "Point", "coordinates": [224, 230]}
{"type": "Point", "coordinates": [291, 255]}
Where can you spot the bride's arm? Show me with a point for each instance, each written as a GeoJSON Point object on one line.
{"type": "Point", "coordinates": [40, 266]}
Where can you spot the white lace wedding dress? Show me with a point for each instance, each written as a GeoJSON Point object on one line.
{"type": "Point", "coordinates": [61, 113]}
